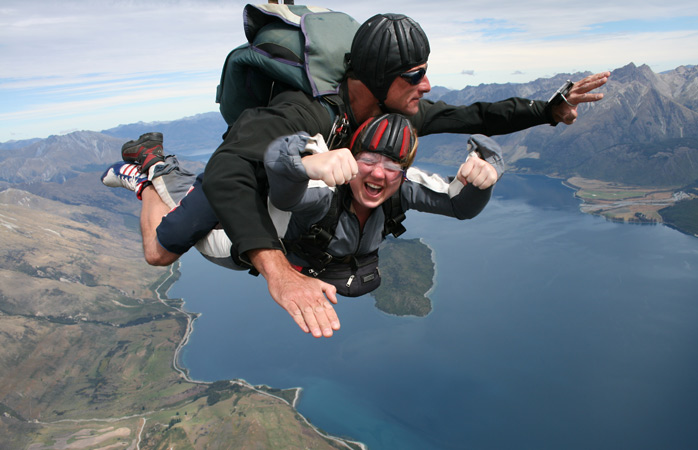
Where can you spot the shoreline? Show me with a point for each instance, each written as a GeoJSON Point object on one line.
{"type": "Point", "coordinates": [433, 279]}
{"type": "Point", "coordinates": [184, 373]}
{"type": "Point", "coordinates": [191, 317]}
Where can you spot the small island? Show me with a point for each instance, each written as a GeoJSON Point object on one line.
{"type": "Point", "coordinates": [407, 272]}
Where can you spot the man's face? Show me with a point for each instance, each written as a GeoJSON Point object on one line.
{"type": "Point", "coordinates": [406, 91]}
{"type": "Point", "coordinates": [378, 179]}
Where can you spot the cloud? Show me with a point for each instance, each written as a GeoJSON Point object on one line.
{"type": "Point", "coordinates": [121, 61]}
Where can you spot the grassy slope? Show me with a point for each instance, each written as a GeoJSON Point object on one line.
{"type": "Point", "coordinates": [86, 348]}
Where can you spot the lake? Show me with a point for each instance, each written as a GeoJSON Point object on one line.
{"type": "Point", "coordinates": [550, 329]}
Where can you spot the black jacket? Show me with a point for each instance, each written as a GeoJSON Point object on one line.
{"type": "Point", "coordinates": [236, 184]}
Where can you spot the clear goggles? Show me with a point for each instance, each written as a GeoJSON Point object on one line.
{"type": "Point", "coordinates": [369, 161]}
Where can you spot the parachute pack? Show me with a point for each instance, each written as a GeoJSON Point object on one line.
{"type": "Point", "coordinates": [288, 46]}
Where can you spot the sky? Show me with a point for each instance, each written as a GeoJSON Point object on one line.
{"type": "Point", "coordinates": [96, 64]}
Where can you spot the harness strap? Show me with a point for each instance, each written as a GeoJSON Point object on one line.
{"type": "Point", "coordinates": [341, 128]}
{"type": "Point", "coordinates": [394, 216]}
{"type": "Point", "coordinates": [352, 262]}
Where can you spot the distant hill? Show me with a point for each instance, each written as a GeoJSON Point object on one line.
{"type": "Point", "coordinates": [59, 159]}
{"type": "Point", "coordinates": [193, 137]}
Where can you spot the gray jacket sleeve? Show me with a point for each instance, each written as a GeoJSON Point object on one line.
{"type": "Point", "coordinates": [489, 150]}
{"type": "Point", "coordinates": [434, 194]}
{"type": "Point", "coordinates": [289, 182]}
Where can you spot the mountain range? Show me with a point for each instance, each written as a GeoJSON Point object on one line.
{"type": "Point", "coordinates": [644, 132]}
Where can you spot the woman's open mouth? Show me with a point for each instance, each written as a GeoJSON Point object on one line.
{"type": "Point", "coordinates": [373, 190]}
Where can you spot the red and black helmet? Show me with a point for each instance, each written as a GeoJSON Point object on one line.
{"type": "Point", "coordinates": [391, 135]}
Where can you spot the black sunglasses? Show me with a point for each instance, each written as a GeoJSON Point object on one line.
{"type": "Point", "coordinates": [414, 77]}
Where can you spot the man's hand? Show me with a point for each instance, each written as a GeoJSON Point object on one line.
{"type": "Point", "coordinates": [477, 172]}
{"type": "Point", "coordinates": [580, 93]}
{"type": "Point", "coordinates": [306, 299]}
{"type": "Point", "coordinates": [334, 168]}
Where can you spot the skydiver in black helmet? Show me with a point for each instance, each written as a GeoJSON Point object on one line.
{"type": "Point", "coordinates": [386, 72]}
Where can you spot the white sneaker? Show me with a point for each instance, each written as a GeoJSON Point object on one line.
{"type": "Point", "coordinates": [125, 175]}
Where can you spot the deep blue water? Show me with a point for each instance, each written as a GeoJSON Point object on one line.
{"type": "Point", "coordinates": [550, 329]}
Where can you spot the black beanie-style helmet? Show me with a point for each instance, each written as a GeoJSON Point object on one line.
{"type": "Point", "coordinates": [385, 46]}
